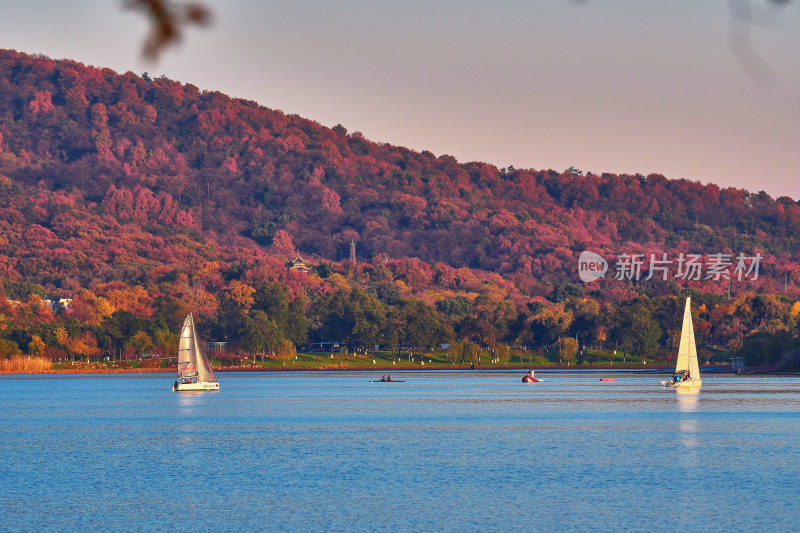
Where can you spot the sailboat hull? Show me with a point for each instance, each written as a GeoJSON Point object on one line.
{"type": "Point", "coordinates": [683, 384]}
{"type": "Point", "coordinates": [193, 387]}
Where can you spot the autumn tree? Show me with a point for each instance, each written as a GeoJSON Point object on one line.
{"type": "Point", "coordinates": [569, 347]}
{"type": "Point", "coordinates": [36, 346]}
{"type": "Point", "coordinates": [141, 343]}
{"type": "Point", "coordinates": [285, 350]}
{"type": "Point", "coordinates": [89, 309]}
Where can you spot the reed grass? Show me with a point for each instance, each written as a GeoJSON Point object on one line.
{"type": "Point", "coordinates": [24, 364]}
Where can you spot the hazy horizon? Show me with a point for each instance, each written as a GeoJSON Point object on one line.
{"type": "Point", "coordinates": [613, 86]}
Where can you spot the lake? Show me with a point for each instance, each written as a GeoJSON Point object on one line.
{"type": "Point", "coordinates": [443, 451]}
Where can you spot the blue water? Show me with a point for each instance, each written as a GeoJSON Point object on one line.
{"type": "Point", "coordinates": [451, 451]}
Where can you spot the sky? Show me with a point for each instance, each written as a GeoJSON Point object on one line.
{"type": "Point", "coordinates": [683, 88]}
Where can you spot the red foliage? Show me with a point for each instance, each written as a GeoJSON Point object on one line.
{"type": "Point", "coordinates": [107, 177]}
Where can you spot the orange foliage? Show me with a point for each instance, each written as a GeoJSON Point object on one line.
{"type": "Point", "coordinates": [241, 294]}
{"type": "Point", "coordinates": [88, 308]}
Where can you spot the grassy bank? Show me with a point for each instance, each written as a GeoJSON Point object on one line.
{"type": "Point", "coordinates": [542, 359]}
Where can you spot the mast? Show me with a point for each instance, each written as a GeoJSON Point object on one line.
{"type": "Point", "coordinates": [694, 366]}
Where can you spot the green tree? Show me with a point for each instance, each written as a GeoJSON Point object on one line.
{"type": "Point", "coordinates": [166, 341]}
{"type": "Point", "coordinates": [424, 327]}
{"type": "Point", "coordinates": [115, 332]}
{"type": "Point", "coordinates": [471, 353]}
{"type": "Point", "coordinates": [503, 354]}
{"type": "Point", "coordinates": [369, 319]}
{"type": "Point", "coordinates": [489, 320]}
{"type": "Point", "coordinates": [636, 331]}
{"type": "Point", "coordinates": [295, 325]}
{"type": "Point", "coordinates": [586, 321]}
{"type": "Point", "coordinates": [455, 352]}
{"type": "Point", "coordinates": [354, 316]}
{"type": "Point", "coordinates": [259, 333]}
{"type": "Point", "coordinates": [331, 317]}
{"type": "Point", "coordinates": [274, 300]}
{"type": "Point", "coordinates": [8, 348]}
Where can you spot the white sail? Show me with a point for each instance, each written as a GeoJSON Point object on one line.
{"type": "Point", "coordinates": [187, 362]}
{"type": "Point", "coordinates": [204, 372]}
{"type": "Point", "coordinates": [687, 353]}
{"type": "Point", "coordinates": [194, 370]}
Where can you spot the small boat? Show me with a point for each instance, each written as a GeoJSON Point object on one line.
{"type": "Point", "coordinates": [529, 378]}
{"type": "Point", "coordinates": [608, 379]}
{"type": "Point", "coordinates": [387, 379]}
{"type": "Point", "coordinates": [687, 370]}
{"type": "Point", "coordinates": [194, 371]}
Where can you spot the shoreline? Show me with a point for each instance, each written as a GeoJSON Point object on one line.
{"type": "Point", "coordinates": [431, 368]}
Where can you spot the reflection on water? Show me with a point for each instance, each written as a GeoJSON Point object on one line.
{"type": "Point", "coordinates": [333, 452]}
{"type": "Point", "coordinates": [189, 399]}
{"type": "Point", "coordinates": [687, 398]}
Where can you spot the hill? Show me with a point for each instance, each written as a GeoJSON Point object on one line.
{"type": "Point", "coordinates": [138, 189]}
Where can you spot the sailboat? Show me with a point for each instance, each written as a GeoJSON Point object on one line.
{"type": "Point", "coordinates": [194, 371]}
{"type": "Point", "coordinates": [687, 370]}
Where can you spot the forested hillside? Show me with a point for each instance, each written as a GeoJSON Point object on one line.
{"type": "Point", "coordinates": [147, 198]}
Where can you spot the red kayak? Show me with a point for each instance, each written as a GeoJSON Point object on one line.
{"type": "Point", "coordinates": [608, 379]}
{"type": "Point", "coordinates": [528, 379]}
